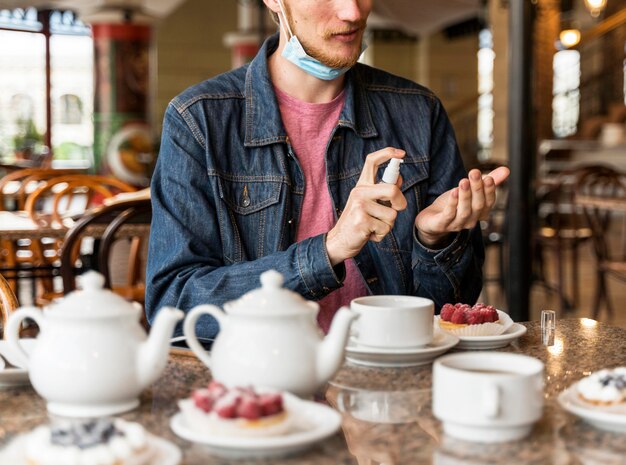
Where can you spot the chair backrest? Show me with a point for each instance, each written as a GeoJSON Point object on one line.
{"type": "Point", "coordinates": [601, 191]}
{"type": "Point", "coordinates": [23, 179]}
{"type": "Point", "coordinates": [64, 191]}
{"type": "Point", "coordinates": [555, 200]}
{"type": "Point", "coordinates": [112, 218]}
{"type": "Point", "coordinates": [8, 302]}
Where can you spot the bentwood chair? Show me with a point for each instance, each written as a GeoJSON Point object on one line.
{"type": "Point", "coordinates": [601, 191]}
{"type": "Point", "coordinates": [56, 201]}
{"type": "Point", "coordinates": [8, 303]}
{"type": "Point", "coordinates": [561, 229]}
{"type": "Point", "coordinates": [19, 257]}
{"type": "Point", "coordinates": [129, 221]}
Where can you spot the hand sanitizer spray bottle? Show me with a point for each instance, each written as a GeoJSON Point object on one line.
{"type": "Point", "coordinates": [390, 176]}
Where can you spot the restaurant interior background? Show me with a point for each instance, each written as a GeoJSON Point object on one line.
{"type": "Point", "coordinates": [98, 100]}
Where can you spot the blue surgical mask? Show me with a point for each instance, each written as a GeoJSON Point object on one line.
{"type": "Point", "coordinates": [294, 52]}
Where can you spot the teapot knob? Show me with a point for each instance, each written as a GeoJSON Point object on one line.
{"type": "Point", "coordinates": [91, 280]}
{"type": "Point", "coordinates": [272, 279]}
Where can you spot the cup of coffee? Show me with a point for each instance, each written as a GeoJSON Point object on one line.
{"type": "Point", "coordinates": [487, 396]}
{"type": "Point", "coordinates": [393, 321]}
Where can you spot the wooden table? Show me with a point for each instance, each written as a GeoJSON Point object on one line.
{"type": "Point", "coordinates": [582, 346]}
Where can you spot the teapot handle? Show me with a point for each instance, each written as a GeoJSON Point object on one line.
{"type": "Point", "coordinates": [12, 333]}
{"type": "Point", "coordinates": [189, 329]}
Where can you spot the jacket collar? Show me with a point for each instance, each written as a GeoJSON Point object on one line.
{"type": "Point", "coordinates": [263, 121]}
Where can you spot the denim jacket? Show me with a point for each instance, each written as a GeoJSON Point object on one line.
{"type": "Point", "coordinates": [227, 192]}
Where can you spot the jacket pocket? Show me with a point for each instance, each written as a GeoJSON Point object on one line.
{"type": "Point", "coordinates": [247, 196]}
{"type": "Point", "coordinates": [251, 216]}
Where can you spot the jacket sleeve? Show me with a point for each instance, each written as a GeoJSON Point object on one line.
{"type": "Point", "coordinates": [454, 273]}
{"type": "Point", "coordinates": [185, 262]}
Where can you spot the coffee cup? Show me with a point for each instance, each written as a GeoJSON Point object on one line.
{"type": "Point", "coordinates": [487, 396]}
{"type": "Point", "coordinates": [393, 321]}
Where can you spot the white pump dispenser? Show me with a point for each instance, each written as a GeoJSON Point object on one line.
{"type": "Point", "coordinates": [390, 176]}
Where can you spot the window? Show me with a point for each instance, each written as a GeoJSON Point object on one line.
{"type": "Point", "coordinates": [23, 82]}
{"type": "Point", "coordinates": [486, 57]}
{"type": "Point", "coordinates": [566, 93]}
{"type": "Point", "coordinates": [70, 109]}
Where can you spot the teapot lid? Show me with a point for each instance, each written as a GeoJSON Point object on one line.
{"type": "Point", "coordinates": [93, 300]}
{"type": "Point", "coordinates": [271, 299]}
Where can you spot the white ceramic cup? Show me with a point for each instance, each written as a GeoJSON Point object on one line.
{"type": "Point", "coordinates": [487, 396]}
{"type": "Point", "coordinates": [393, 321]}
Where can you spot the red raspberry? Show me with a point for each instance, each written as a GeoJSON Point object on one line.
{"type": "Point", "coordinates": [271, 403]}
{"type": "Point", "coordinates": [226, 406]}
{"type": "Point", "coordinates": [446, 312]}
{"type": "Point", "coordinates": [216, 389]}
{"type": "Point", "coordinates": [474, 317]}
{"type": "Point", "coordinates": [458, 317]}
{"type": "Point", "coordinates": [490, 314]}
{"type": "Point", "coordinates": [202, 400]}
{"type": "Point", "coordinates": [249, 408]}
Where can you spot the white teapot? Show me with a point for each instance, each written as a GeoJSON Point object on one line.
{"type": "Point", "coordinates": [269, 337]}
{"type": "Point", "coordinates": [92, 357]}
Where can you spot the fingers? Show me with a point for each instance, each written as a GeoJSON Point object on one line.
{"type": "Point", "coordinates": [374, 160]}
{"type": "Point", "coordinates": [499, 175]}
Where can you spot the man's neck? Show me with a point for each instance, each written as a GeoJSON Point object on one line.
{"type": "Point", "coordinates": [297, 83]}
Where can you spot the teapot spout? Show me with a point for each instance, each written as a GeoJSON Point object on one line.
{"type": "Point", "coordinates": [331, 350]}
{"type": "Point", "coordinates": [152, 354]}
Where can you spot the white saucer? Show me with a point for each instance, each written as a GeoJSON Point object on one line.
{"type": "Point", "coordinates": [412, 356]}
{"type": "Point", "coordinates": [492, 342]}
{"type": "Point", "coordinates": [165, 452]}
{"type": "Point", "coordinates": [610, 418]}
{"type": "Point", "coordinates": [313, 422]}
{"type": "Point", "coordinates": [12, 377]}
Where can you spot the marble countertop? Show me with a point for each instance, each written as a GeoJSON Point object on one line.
{"type": "Point", "coordinates": [406, 432]}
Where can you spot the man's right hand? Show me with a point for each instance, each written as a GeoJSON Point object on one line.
{"type": "Point", "coordinates": [364, 219]}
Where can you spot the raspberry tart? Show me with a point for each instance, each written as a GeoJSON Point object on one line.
{"type": "Point", "coordinates": [89, 442]}
{"type": "Point", "coordinates": [604, 387]}
{"type": "Point", "coordinates": [235, 412]}
{"type": "Point", "coordinates": [478, 320]}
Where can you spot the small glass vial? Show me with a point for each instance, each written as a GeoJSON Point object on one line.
{"type": "Point", "coordinates": [548, 327]}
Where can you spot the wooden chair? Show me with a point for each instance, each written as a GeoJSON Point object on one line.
{"type": "Point", "coordinates": [601, 192]}
{"type": "Point", "coordinates": [122, 221]}
{"type": "Point", "coordinates": [58, 199]}
{"type": "Point", "coordinates": [23, 253]}
{"type": "Point", "coordinates": [8, 302]}
{"type": "Point", "coordinates": [561, 229]}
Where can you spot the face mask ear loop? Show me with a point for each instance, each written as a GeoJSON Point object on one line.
{"type": "Point", "coordinates": [283, 22]}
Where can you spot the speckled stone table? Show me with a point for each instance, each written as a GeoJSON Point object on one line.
{"type": "Point", "coordinates": [387, 416]}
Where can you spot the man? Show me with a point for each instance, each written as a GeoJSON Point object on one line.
{"type": "Point", "coordinates": [276, 165]}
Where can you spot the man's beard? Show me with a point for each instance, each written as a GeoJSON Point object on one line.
{"type": "Point", "coordinates": [331, 60]}
{"type": "Point", "coordinates": [323, 56]}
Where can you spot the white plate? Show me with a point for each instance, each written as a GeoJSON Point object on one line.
{"type": "Point", "coordinates": [610, 418]}
{"type": "Point", "coordinates": [412, 356]}
{"type": "Point", "coordinates": [165, 452]}
{"type": "Point", "coordinates": [492, 342]}
{"type": "Point", "coordinates": [314, 422]}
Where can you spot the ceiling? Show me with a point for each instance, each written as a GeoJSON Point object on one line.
{"type": "Point", "coordinates": [420, 17]}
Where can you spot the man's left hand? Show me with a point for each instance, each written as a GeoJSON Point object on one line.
{"type": "Point", "coordinates": [459, 208]}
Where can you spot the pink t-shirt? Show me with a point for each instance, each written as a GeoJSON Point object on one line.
{"type": "Point", "coordinates": [309, 126]}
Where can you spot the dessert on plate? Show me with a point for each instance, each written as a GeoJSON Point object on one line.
{"type": "Point", "coordinates": [478, 320]}
{"type": "Point", "coordinates": [604, 387]}
{"type": "Point", "coordinates": [240, 411]}
{"type": "Point", "coordinates": [86, 442]}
